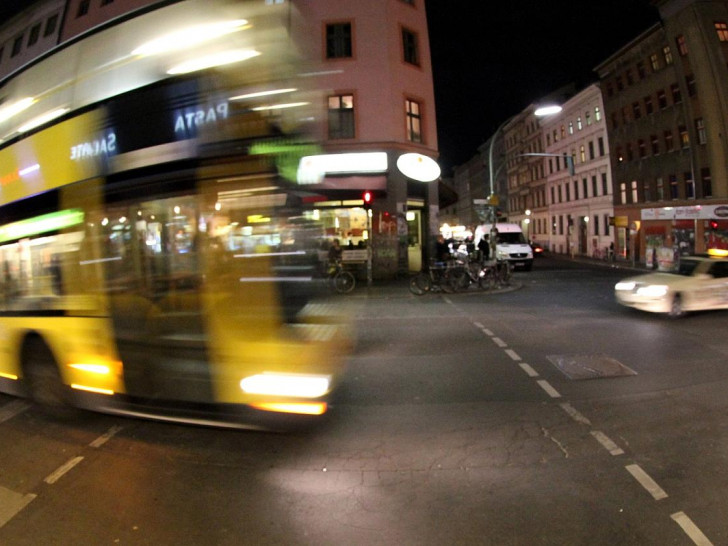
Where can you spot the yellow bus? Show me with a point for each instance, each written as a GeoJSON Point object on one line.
{"type": "Point", "coordinates": [155, 260]}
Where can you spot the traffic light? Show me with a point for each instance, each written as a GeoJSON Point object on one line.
{"type": "Point", "coordinates": [367, 198]}
{"type": "Point", "coordinates": [713, 224]}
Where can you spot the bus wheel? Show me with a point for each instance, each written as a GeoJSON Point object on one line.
{"type": "Point", "coordinates": [42, 378]}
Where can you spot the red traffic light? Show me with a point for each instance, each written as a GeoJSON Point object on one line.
{"type": "Point", "coordinates": [367, 198]}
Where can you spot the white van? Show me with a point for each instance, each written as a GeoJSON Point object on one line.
{"type": "Point", "coordinates": [511, 244]}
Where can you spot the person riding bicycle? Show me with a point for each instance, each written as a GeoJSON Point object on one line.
{"type": "Point", "coordinates": [335, 253]}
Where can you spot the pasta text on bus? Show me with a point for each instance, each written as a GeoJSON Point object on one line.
{"type": "Point", "coordinates": [94, 148]}
{"type": "Point", "coordinates": [189, 120]}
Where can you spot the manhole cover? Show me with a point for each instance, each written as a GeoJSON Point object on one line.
{"type": "Point", "coordinates": [589, 366]}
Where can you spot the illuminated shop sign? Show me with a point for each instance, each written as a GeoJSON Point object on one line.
{"type": "Point", "coordinates": [94, 148]}
{"type": "Point", "coordinates": [418, 167]}
{"type": "Point", "coordinates": [190, 119]}
{"type": "Point", "coordinates": [313, 168]}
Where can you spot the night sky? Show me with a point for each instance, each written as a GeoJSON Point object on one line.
{"type": "Point", "coordinates": [492, 59]}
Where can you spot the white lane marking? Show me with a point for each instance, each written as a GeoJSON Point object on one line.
{"type": "Point", "coordinates": [574, 414]}
{"type": "Point", "coordinates": [488, 332]}
{"type": "Point", "coordinates": [695, 534]}
{"type": "Point", "coordinates": [607, 443]}
{"type": "Point", "coordinates": [528, 369]}
{"type": "Point", "coordinates": [447, 300]}
{"type": "Point", "coordinates": [11, 503]}
{"type": "Point", "coordinates": [513, 354]}
{"type": "Point", "coordinates": [498, 341]}
{"type": "Point", "coordinates": [101, 440]}
{"type": "Point", "coordinates": [12, 409]}
{"type": "Point", "coordinates": [478, 325]}
{"type": "Point", "coordinates": [545, 385]}
{"type": "Point", "coordinates": [645, 481]}
{"type": "Point", "coordinates": [58, 474]}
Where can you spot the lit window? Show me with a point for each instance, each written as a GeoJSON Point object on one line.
{"type": "Point", "coordinates": [667, 53]}
{"type": "Point", "coordinates": [682, 45]}
{"type": "Point", "coordinates": [700, 130]}
{"type": "Point", "coordinates": [571, 127]}
{"type": "Point", "coordinates": [654, 62]}
{"type": "Point", "coordinates": [414, 121]}
{"type": "Point", "coordinates": [579, 124]}
{"type": "Point", "coordinates": [684, 136]}
{"type": "Point", "coordinates": [338, 41]}
{"type": "Point", "coordinates": [341, 117]}
{"type": "Point", "coordinates": [722, 29]}
{"type": "Point", "coordinates": [635, 198]}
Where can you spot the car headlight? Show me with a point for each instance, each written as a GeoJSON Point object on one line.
{"type": "Point", "coordinates": [625, 285]}
{"type": "Point", "coordinates": [652, 291]}
{"type": "Point", "coordinates": [287, 384]}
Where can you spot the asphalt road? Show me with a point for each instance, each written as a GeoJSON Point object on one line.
{"type": "Point", "coordinates": [547, 415]}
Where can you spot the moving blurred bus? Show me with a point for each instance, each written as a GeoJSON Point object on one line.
{"type": "Point", "coordinates": [154, 256]}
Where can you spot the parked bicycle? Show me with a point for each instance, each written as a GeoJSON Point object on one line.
{"type": "Point", "coordinates": [434, 279]}
{"type": "Point", "coordinates": [486, 275]}
{"type": "Point", "coordinates": [340, 279]}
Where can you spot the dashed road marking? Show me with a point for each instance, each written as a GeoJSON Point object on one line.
{"type": "Point", "coordinates": [574, 414]}
{"type": "Point", "coordinates": [11, 503]}
{"type": "Point", "coordinates": [528, 369]}
{"type": "Point", "coordinates": [12, 409]}
{"type": "Point", "coordinates": [488, 332]}
{"type": "Point", "coordinates": [513, 354]}
{"type": "Point", "coordinates": [607, 443]}
{"type": "Point", "coordinates": [545, 385]}
{"type": "Point", "coordinates": [59, 473]}
{"type": "Point", "coordinates": [498, 341]}
{"type": "Point", "coordinates": [645, 481]}
{"type": "Point", "coordinates": [695, 534]}
{"type": "Point", "coordinates": [101, 440]}
{"type": "Point", "coordinates": [478, 325]}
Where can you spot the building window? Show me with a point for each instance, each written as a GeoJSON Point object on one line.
{"type": "Point", "coordinates": [660, 189]}
{"type": "Point", "coordinates": [674, 190]}
{"type": "Point", "coordinates": [623, 193]}
{"type": "Point", "coordinates": [605, 185]}
{"type": "Point", "coordinates": [635, 197]}
{"type": "Point", "coordinates": [553, 195]}
{"type": "Point", "coordinates": [576, 190]}
{"type": "Point", "coordinates": [700, 130]}
{"type": "Point", "coordinates": [642, 148]}
{"type": "Point", "coordinates": [579, 125]}
{"type": "Point", "coordinates": [675, 92]}
{"type": "Point", "coordinates": [636, 110]}
{"type": "Point", "coordinates": [596, 225]}
{"type": "Point", "coordinates": [630, 154]}
{"type": "Point", "coordinates": [669, 145]}
{"type": "Point", "coordinates": [722, 29]}
{"type": "Point", "coordinates": [606, 224]}
{"type": "Point", "coordinates": [682, 45]}
{"type": "Point", "coordinates": [582, 154]}
{"type": "Point", "coordinates": [646, 191]}
{"type": "Point", "coordinates": [684, 136]}
{"type": "Point", "coordinates": [341, 117]}
{"type": "Point", "coordinates": [662, 99]}
{"type": "Point", "coordinates": [591, 149]}
{"type": "Point", "coordinates": [654, 62]}
{"type": "Point", "coordinates": [414, 121]}
{"type": "Point", "coordinates": [338, 41]}
{"type": "Point", "coordinates": [563, 132]}
{"type": "Point", "coordinates": [690, 84]}
{"type": "Point", "coordinates": [34, 34]}
{"type": "Point", "coordinates": [587, 115]}
{"type": "Point", "coordinates": [17, 46]}
{"type": "Point", "coordinates": [667, 54]}
{"type": "Point", "coordinates": [689, 186]}
{"type": "Point", "coordinates": [641, 70]}
{"type": "Point", "coordinates": [561, 196]}
{"type": "Point", "coordinates": [106, 2]}
{"type": "Point", "coordinates": [584, 188]}
{"type": "Point", "coordinates": [595, 186]}
{"type": "Point", "coordinates": [600, 145]}
{"type": "Point", "coordinates": [83, 8]}
{"type": "Point", "coordinates": [51, 24]}
{"type": "Point", "coordinates": [410, 48]}
{"type": "Point", "coordinates": [597, 114]}
{"type": "Point", "coordinates": [655, 145]}
{"type": "Point", "coordinates": [571, 127]}
{"type": "Point", "coordinates": [648, 105]}
{"type": "Point", "coordinates": [707, 182]}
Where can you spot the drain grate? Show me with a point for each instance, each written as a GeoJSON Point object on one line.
{"type": "Point", "coordinates": [589, 366]}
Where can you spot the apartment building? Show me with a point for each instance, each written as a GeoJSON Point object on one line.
{"type": "Point", "coordinates": [579, 204]}
{"type": "Point", "coordinates": [665, 99]}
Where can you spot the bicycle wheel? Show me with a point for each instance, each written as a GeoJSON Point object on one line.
{"type": "Point", "coordinates": [344, 282]}
{"type": "Point", "coordinates": [420, 283]}
{"type": "Point", "coordinates": [455, 280]}
{"type": "Point", "coordinates": [487, 280]}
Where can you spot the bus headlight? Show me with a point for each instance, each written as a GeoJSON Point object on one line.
{"type": "Point", "coordinates": [287, 384]}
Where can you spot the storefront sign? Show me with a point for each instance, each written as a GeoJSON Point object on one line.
{"type": "Point", "coordinates": [695, 212]}
{"type": "Point", "coordinates": [190, 119]}
{"type": "Point", "coordinates": [94, 148]}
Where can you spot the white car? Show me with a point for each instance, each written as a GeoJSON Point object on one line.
{"type": "Point", "coordinates": [700, 283]}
